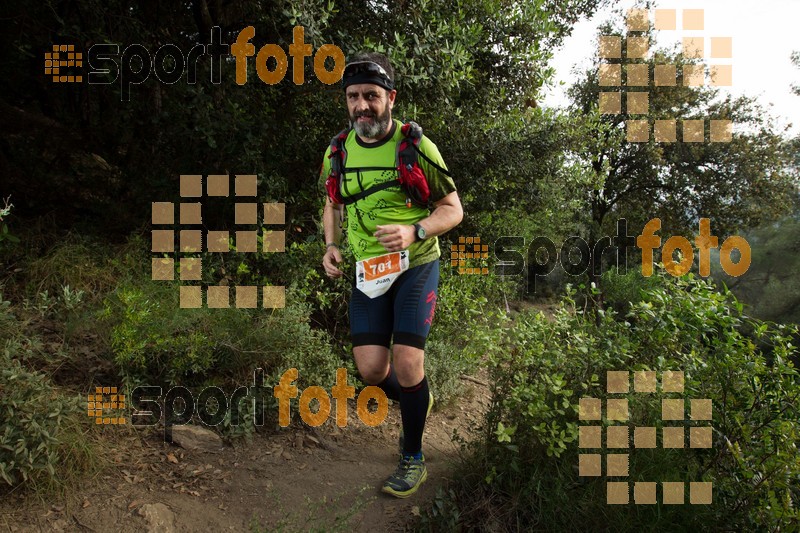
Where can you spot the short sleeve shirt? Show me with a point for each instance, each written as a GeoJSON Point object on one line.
{"type": "Point", "coordinates": [369, 164]}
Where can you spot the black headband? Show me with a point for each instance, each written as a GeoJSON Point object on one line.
{"type": "Point", "coordinates": [366, 72]}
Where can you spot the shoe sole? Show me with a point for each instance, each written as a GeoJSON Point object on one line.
{"type": "Point", "coordinates": [427, 414]}
{"type": "Point", "coordinates": [409, 492]}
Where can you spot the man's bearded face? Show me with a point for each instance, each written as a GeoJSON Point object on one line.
{"type": "Point", "coordinates": [369, 109]}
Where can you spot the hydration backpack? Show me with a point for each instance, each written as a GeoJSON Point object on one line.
{"type": "Point", "coordinates": [411, 178]}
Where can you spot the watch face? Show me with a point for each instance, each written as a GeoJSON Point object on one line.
{"type": "Point", "coordinates": [420, 232]}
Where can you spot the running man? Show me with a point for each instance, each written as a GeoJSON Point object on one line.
{"type": "Point", "coordinates": [392, 231]}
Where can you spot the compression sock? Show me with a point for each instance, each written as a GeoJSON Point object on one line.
{"type": "Point", "coordinates": [390, 386]}
{"type": "Point", "coordinates": [413, 408]}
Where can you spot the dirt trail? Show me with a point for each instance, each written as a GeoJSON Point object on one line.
{"type": "Point", "coordinates": [296, 478]}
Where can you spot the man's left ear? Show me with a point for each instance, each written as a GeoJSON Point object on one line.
{"type": "Point", "coordinates": [392, 95]}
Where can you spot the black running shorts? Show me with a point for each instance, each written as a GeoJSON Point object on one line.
{"type": "Point", "coordinates": [405, 311]}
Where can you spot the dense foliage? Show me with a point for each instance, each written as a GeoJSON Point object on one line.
{"type": "Point", "coordinates": [523, 474]}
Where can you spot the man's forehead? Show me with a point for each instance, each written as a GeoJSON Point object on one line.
{"type": "Point", "coordinates": [364, 88]}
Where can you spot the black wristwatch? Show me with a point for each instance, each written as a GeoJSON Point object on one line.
{"type": "Point", "coordinates": [419, 232]}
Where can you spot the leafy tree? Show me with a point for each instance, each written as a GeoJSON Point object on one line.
{"type": "Point", "coordinates": [736, 184]}
{"type": "Point", "coordinates": [83, 151]}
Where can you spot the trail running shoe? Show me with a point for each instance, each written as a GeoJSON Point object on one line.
{"type": "Point", "coordinates": [401, 439]}
{"type": "Point", "coordinates": [408, 477]}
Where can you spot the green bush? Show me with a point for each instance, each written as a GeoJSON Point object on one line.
{"type": "Point", "coordinates": [154, 340]}
{"type": "Point", "coordinates": [523, 472]}
{"type": "Point", "coordinates": [620, 291]}
{"type": "Point", "coordinates": [460, 335]}
{"type": "Point", "coordinates": [42, 442]}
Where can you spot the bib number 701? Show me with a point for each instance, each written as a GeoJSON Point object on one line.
{"type": "Point", "coordinates": [377, 267]}
{"type": "Point", "coordinates": [381, 268]}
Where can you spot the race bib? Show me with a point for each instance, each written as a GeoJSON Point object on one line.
{"type": "Point", "coordinates": [375, 275]}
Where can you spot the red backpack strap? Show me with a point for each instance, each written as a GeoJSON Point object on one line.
{"type": "Point", "coordinates": [337, 156]}
{"type": "Point", "coordinates": [412, 135]}
{"type": "Point", "coordinates": [412, 178]}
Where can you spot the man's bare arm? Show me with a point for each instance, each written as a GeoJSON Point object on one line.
{"type": "Point", "coordinates": [331, 218]}
{"type": "Point", "coordinates": [447, 214]}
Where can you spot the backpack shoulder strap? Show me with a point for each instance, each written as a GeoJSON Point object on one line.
{"type": "Point", "coordinates": [407, 152]}
{"type": "Point", "coordinates": [338, 152]}
{"type": "Point", "coordinates": [412, 135]}
{"type": "Point", "coordinates": [337, 156]}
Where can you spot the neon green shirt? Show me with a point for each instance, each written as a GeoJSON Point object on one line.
{"type": "Point", "coordinates": [389, 205]}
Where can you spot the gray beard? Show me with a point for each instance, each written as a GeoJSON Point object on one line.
{"type": "Point", "coordinates": [374, 130]}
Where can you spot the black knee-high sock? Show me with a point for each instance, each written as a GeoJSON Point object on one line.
{"type": "Point", "coordinates": [390, 386]}
{"type": "Point", "coordinates": [413, 407]}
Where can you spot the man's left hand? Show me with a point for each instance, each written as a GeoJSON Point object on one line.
{"type": "Point", "coordinates": [395, 237]}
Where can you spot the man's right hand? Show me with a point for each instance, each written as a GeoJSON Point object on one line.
{"type": "Point", "coordinates": [329, 261]}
